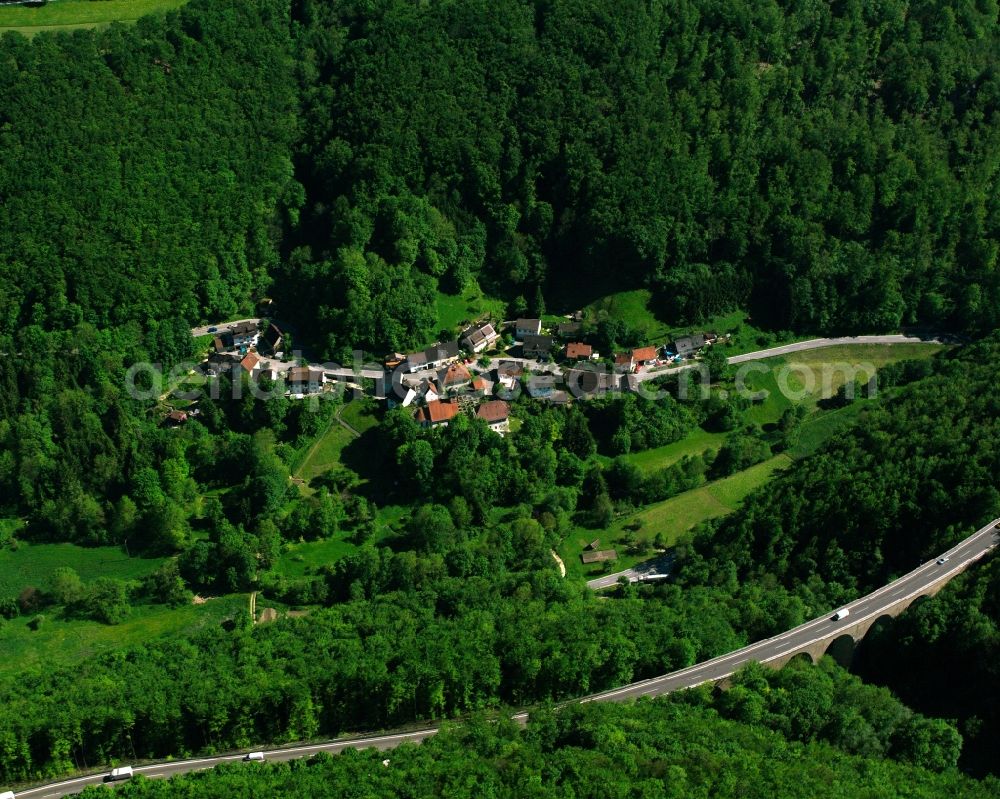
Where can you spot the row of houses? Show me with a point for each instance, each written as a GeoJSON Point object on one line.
{"type": "Point", "coordinates": [439, 413]}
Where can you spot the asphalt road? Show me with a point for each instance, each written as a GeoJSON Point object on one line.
{"type": "Point", "coordinates": [221, 327]}
{"type": "Point", "coordinates": [648, 569]}
{"type": "Point", "coordinates": [798, 346]}
{"type": "Point", "coordinates": [873, 605]}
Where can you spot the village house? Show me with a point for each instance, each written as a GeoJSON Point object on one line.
{"type": "Point", "coordinates": [218, 345]}
{"type": "Point", "coordinates": [305, 379]}
{"type": "Point", "coordinates": [542, 385]}
{"type": "Point", "coordinates": [586, 383]}
{"type": "Point", "coordinates": [177, 417]}
{"type": "Point", "coordinates": [481, 387]}
{"type": "Point", "coordinates": [536, 346]}
{"type": "Point", "coordinates": [557, 397]}
{"type": "Point", "coordinates": [433, 357]}
{"type": "Point", "coordinates": [569, 329]}
{"type": "Point", "coordinates": [479, 337]}
{"type": "Point", "coordinates": [270, 341]}
{"type": "Point", "coordinates": [496, 413]}
{"type": "Point", "coordinates": [527, 327]}
{"type": "Point", "coordinates": [455, 376]}
{"type": "Point", "coordinates": [249, 362]}
{"type": "Point", "coordinates": [219, 362]}
{"type": "Point", "coordinates": [244, 334]}
{"type": "Point", "coordinates": [689, 346]}
{"type": "Point", "coordinates": [576, 351]}
{"type": "Point", "coordinates": [432, 391]}
{"type": "Point", "coordinates": [642, 356]}
{"type": "Point", "coordinates": [623, 362]}
{"type": "Point", "coordinates": [437, 413]}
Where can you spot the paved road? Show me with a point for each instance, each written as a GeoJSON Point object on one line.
{"type": "Point", "coordinates": [871, 606]}
{"type": "Point", "coordinates": [798, 346]}
{"type": "Point", "coordinates": [867, 607]}
{"type": "Point", "coordinates": [648, 569]}
{"type": "Point", "coordinates": [222, 327]}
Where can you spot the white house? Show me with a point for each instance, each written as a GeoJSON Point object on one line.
{"type": "Point", "coordinates": [244, 334]}
{"type": "Point", "coordinates": [496, 413]}
{"type": "Point", "coordinates": [305, 380]}
{"type": "Point", "coordinates": [479, 337]}
{"type": "Point", "coordinates": [527, 327]}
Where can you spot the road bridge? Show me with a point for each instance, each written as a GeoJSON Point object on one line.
{"type": "Point", "coordinates": [814, 638]}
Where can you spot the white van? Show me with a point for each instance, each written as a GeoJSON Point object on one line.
{"type": "Point", "coordinates": [120, 773]}
{"type": "Point", "coordinates": [843, 613]}
{"type": "Point", "coordinates": [254, 756]}
{"type": "Point", "coordinates": [7, 795]}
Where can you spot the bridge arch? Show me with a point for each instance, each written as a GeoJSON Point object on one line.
{"type": "Point", "coordinates": [842, 649]}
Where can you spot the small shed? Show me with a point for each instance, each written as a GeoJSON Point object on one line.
{"type": "Point", "coordinates": [599, 556]}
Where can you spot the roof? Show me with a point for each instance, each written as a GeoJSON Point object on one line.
{"type": "Point", "coordinates": [442, 351]}
{"type": "Point", "coordinates": [493, 411]}
{"type": "Point", "coordinates": [595, 557]}
{"type": "Point", "coordinates": [537, 343]}
{"type": "Point", "coordinates": [250, 361]}
{"type": "Point", "coordinates": [569, 328]}
{"type": "Point", "coordinates": [457, 374]}
{"type": "Point", "coordinates": [644, 354]}
{"type": "Point", "coordinates": [577, 350]}
{"type": "Point", "coordinates": [416, 359]}
{"type": "Point", "coordinates": [478, 333]}
{"type": "Point", "coordinates": [243, 328]}
{"type": "Point", "coordinates": [690, 343]}
{"type": "Point", "coordinates": [528, 324]}
{"type": "Point", "coordinates": [272, 335]}
{"type": "Point", "coordinates": [218, 345]}
{"type": "Point", "coordinates": [556, 397]}
{"type": "Point", "coordinates": [437, 411]}
{"type": "Point", "coordinates": [304, 374]}
{"type": "Point", "coordinates": [589, 381]}
{"type": "Point", "coordinates": [623, 359]}
{"type": "Point", "coordinates": [480, 384]}
{"type": "Point", "coordinates": [509, 369]}
{"type": "Point", "coordinates": [177, 416]}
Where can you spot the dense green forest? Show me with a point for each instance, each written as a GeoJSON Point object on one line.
{"type": "Point", "coordinates": [654, 750]}
{"type": "Point", "coordinates": [830, 167]}
{"type": "Point", "coordinates": [460, 610]}
{"type": "Point", "coordinates": [954, 634]}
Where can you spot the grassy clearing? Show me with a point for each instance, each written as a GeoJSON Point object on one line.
{"type": "Point", "coordinates": [672, 517]}
{"type": "Point", "coordinates": [632, 308]}
{"type": "Point", "coordinates": [327, 452]}
{"type": "Point", "coordinates": [33, 564]}
{"type": "Point", "coordinates": [455, 309]}
{"type": "Point", "coordinates": [305, 558]}
{"type": "Point", "coordinates": [70, 14]}
{"type": "Point", "coordinates": [807, 377]}
{"type": "Point", "coordinates": [59, 642]}
{"type": "Point", "coordinates": [695, 443]}
{"type": "Point", "coordinates": [821, 427]}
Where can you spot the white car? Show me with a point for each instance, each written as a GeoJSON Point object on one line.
{"type": "Point", "coordinates": [254, 757]}
{"type": "Point", "coordinates": [943, 560]}
{"type": "Point", "coordinates": [120, 773]}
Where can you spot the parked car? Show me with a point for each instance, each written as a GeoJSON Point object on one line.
{"type": "Point", "coordinates": [213, 330]}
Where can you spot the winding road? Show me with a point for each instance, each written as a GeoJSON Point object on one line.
{"type": "Point", "coordinates": [918, 582]}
